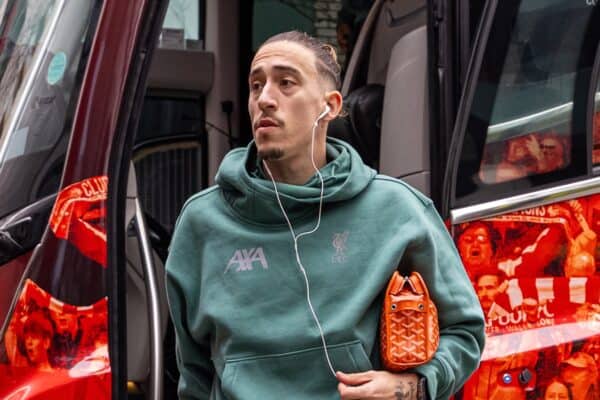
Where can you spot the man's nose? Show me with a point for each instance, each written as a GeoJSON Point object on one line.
{"type": "Point", "coordinates": [267, 98]}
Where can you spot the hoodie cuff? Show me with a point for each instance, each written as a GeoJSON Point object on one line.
{"type": "Point", "coordinates": [435, 375]}
{"type": "Point", "coordinates": [422, 392]}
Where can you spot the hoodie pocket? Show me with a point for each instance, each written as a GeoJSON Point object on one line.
{"type": "Point", "coordinates": [302, 374]}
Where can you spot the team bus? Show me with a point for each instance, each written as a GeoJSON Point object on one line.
{"type": "Point", "coordinates": [113, 112]}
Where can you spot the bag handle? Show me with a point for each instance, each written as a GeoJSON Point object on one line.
{"type": "Point", "coordinates": [414, 281]}
{"type": "Point", "coordinates": [408, 281]}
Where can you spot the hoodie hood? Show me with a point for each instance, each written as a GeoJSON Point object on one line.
{"type": "Point", "coordinates": [252, 196]}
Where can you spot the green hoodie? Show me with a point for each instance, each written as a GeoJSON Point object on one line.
{"type": "Point", "coordinates": [238, 299]}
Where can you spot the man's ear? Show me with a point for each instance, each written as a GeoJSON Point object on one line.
{"type": "Point", "coordinates": [334, 101]}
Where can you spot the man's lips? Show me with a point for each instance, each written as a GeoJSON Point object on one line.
{"type": "Point", "coordinates": [266, 123]}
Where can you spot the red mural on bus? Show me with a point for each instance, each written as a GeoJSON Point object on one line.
{"type": "Point", "coordinates": [51, 349]}
{"type": "Point", "coordinates": [79, 215]}
{"type": "Point", "coordinates": [55, 349]}
{"type": "Point", "coordinates": [536, 275]}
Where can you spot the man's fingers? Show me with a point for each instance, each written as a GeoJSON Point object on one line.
{"type": "Point", "coordinates": [358, 378]}
{"type": "Point", "coordinates": [355, 386]}
{"type": "Point", "coordinates": [352, 392]}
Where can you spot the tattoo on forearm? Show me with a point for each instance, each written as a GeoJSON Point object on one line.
{"type": "Point", "coordinates": [406, 391]}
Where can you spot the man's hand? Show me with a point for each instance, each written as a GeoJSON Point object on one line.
{"type": "Point", "coordinates": [377, 385]}
{"type": "Point", "coordinates": [533, 146]}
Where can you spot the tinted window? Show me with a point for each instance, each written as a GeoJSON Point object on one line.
{"type": "Point", "coordinates": [525, 126]}
{"type": "Point", "coordinates": [42, 58]}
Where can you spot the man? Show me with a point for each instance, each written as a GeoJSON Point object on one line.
{"type": "Point", "coordinates": [517, 160]}
{"type": "Point", "coordinates": [37, 337]}
{"type": "Point", "coordinates": [66, 340]}
{"type": "Point", "coordinates": [476, 248]}
{"type": "Point", "coordinates": [488, 286]}
{"type": "Point", "coordinates": [274, 275]}
{"type": "Point", "coordinates": [552, 153]}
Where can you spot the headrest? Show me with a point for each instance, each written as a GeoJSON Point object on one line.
{"type": "Point", "coordinates": [361, 127]}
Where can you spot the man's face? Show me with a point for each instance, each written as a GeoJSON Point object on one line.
{"type": "Point", "coordinates": [487, 290]}
{"type": "Point", "coordinates": [552, 151]}
{"type": "Point", "coordinates": [286, 97]}
{"type": "Point", "coordinates": [66, 323]}
{"type": "Point", "coordinates": [556, 391]}
{"type": "Point", "coordinates": [36, 346]}
{"type": "Point", "coordinates": [530, 307]}
{"type": "Point", "coordinates": [475, 247]}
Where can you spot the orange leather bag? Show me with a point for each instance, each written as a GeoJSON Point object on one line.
{"type": "Point", "coordinates": [409, 332]}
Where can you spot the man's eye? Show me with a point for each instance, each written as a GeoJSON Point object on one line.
{"type": "Point", "coordinates": [254, 86]}
{"type": "Point", "coordinates": [287, 82]}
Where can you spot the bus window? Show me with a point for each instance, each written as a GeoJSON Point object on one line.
{"type": "Point", "coordinates": [184, 25]}
{"type": "Point", "coordinates": [534, 153]}
{"type": "Point", "coordinates": [521, 132]}
{"type": "Point", "coordinates": [44, 51]}
{"type": "Point", "coordinates": [41, 66]}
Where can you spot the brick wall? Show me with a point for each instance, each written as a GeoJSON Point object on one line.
{"type": "Point", "coordinates": [326, 12]}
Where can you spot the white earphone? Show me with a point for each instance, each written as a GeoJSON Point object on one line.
{"type": "Point", "coordinates": [297, 236]}
{"type": "Point", "coordinates": [323, 114]}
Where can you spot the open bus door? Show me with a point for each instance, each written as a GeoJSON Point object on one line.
{"type": "Point", "coordinates": [522, 195]}
{"type": "Point", "coordinates": [70, 73]}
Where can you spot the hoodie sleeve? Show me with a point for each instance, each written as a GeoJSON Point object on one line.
{"type": "Point", "coordinates": [192, 339]}
{"type": "Point", "coordinates": [461, 320]}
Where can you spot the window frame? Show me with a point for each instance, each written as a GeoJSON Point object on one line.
{"type": "Point", "coordinates": [511, 193]}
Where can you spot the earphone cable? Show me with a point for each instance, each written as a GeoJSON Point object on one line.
{"type": "Point", "coordinates": [297, 237]}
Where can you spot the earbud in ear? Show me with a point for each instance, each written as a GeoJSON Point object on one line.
{"type": "Point", "coordinates": [324, 113]}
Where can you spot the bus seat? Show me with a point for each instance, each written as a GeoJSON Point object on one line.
{"type": "Point", "coordinates": [396, 19]}
{"type": "Point", "coordinates": [405, 118]}
{"type": "Point", "coordinates": [361, 126]}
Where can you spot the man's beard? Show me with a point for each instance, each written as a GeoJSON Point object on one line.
{"type": "Point", "coordinates": [270, 154]}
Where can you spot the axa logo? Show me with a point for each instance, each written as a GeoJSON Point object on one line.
{"type": "Point", "coordinates": [246, 259]}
